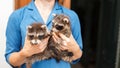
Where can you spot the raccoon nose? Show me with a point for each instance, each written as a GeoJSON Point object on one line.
{"type": "Point", "coordinates": [34, 42]}
{"type": "Point", "coordinates": [59, 27]}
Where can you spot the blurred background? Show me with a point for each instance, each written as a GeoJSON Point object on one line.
{"type": "Point", "coordinates": [100, 21]}
{"type": "Point", "coordinates": [6, 8]}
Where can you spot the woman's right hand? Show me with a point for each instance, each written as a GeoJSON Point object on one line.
{"type": "Point", "coordinates": [29, 50]}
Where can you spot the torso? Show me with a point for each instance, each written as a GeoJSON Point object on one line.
{"type": "Point", "coordinates": [44, 10]}
{"type": "Point", "coordinates": [29, 17]}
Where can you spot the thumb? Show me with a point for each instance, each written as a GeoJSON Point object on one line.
{"type": "Point", "coordinates": [26, 39]}
{"type": "Point", "coordinates": [64, 38]}
{"type": "Point", "coordinates": [47, 38]}
{"type": "Point", "coordinates": [27, 42]}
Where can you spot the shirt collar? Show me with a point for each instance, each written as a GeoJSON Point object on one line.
{"type": "Point", "coordinates": [35, 15]}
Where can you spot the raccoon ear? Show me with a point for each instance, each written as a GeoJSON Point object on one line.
{"type": "Point", "coordinates": [29, 27]}
{"type": "Point", "coordinates": [66, 20]}
{"type": "Point", "coordinates": [43, 26]}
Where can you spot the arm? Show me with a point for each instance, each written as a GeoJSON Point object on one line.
{"type": "Point", "coordinates": [18, 58]}
{"type": "Point", "coordinates": [13, 37]}
{"type": "Point", "coordinates": [65, 3]}
{"type": "Point", "coordinates": [76, 37]}
{"type": "Point", "coordinates": [71, 45]}
{"type": "Point", "coordinates": [14, 54]}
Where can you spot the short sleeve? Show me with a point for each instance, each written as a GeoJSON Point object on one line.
{"type": "Point", "coordinates": [13, 35]}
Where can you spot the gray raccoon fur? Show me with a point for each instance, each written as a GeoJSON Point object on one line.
{"type": "Point", "coordinates": [35, 33]}
{"type": "Point", "coordinates": [60, 24]}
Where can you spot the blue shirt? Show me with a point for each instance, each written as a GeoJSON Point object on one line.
{"type": "Point", "coordinates": [21, 18]}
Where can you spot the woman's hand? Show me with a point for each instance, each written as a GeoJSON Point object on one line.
{"type": "Point", "coordinates": [69, 44]}
{"type": "Point", "coordinates": [29, 50]}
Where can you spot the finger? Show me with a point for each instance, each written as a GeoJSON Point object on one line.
{"type": "Point", "coordinates": [71, 37]}
{"type": "Point", "coordinates": [54, 39]}
{"type": "Point", "coordinates": [64, 43]}
{"type": "Point", "coordinates": [55, 36]}
{"type": "Point", "coordinates": [44, 41]}
{"type": "Point", "coordinates": [64, 38]}
{"type": "Point", "coordinates": [47, 37]}
{"type": "Point", "coordinates": [42, 48]}
{"type": "Point", "coordinates": [27, 42]}
{"type": "Point", "coordinates": [57, 39]}
{"type": "Point", "coordinates": [63, 47]}
{"type": "Point", "coordinates": [26, 39]}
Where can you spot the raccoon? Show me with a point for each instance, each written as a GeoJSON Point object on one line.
{"type": "Point", "coordinates": [60, 24]}
{"type": "Point", "coordinates": [35, 33]}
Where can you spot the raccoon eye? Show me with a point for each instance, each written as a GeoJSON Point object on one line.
{"type": "Point", "coordinates": [40, 37]}
{"type": "Point", "coordinates": [59, 27]}
{"type": "Point", "coordinates": [31, 37]}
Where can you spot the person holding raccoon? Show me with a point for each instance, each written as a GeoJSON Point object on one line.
{"type": "Point", "coordinates": [19, 48]}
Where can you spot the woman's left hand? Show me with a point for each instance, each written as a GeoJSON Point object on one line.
{"type": "Point", "coordinates": [69, 44]}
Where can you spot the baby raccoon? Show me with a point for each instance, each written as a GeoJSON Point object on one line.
{"type": "Point", "coordinates": [61, 24]}
{"type": "Point", "coordinates": [35, 33]}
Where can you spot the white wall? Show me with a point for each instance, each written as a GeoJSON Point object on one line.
{"type": "Point", "coordinates": [6, 8]}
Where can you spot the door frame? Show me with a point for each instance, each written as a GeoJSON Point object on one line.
{"type": "Point", "coordinates": [21, 3]}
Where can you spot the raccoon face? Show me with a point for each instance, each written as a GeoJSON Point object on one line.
{"type": "Point", "coordinates": [36, 32]}
{"type": "Point", "coordinates": [60, 23]}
